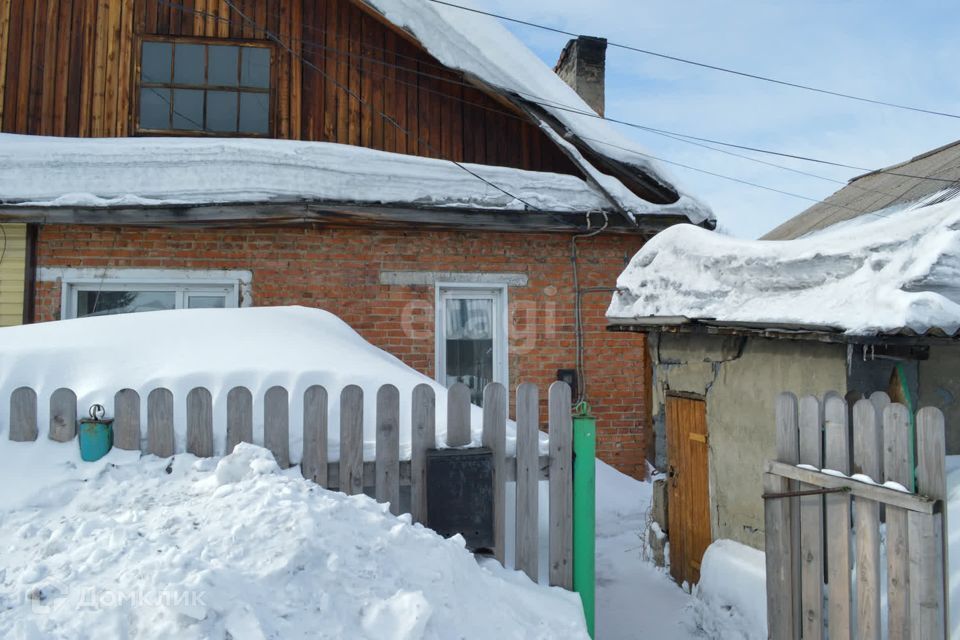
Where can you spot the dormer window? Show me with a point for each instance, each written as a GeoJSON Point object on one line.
{"type": "Point", "coordinates": [194, 87]}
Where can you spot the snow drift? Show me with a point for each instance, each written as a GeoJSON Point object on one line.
{"type": "Point", "coordinates": [236, 548]}
{"type": "Point", "coordinates": [294, 347]}
{"type": "Point", "coordinates": [886, 275]}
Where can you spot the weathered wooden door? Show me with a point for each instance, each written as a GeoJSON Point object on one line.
{"type": "Point", "coordinates": [689, 491]}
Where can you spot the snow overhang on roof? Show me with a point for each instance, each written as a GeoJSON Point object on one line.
{"type": "Point", "coordinates": [494, 59]}
{"type": "Point", "coordinates": [896, 275]}
{"type": "Point", "coordinates": [105, 172]}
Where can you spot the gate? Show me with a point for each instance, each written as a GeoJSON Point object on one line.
{"type": "Point", "coordinates": [824, 496]}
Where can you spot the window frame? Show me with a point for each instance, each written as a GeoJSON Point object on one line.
{"type": "Point", "coordinates": [183, 289]}
{"type": "Point", "coordinates": [270, 92]}
{"type": "Point", "coordinates": [499, 293]}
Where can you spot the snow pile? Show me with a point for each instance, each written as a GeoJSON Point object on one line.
{"type": "Point", "coordinates": [238, 549]}
{"type": "Point", "coordinates": [294, 347]}
{"type": "Point", "coordinates": [730, 598]}
{"type": "Point", "coordinates": [480, 46]}
{"type": "Point", "coordinates": [893, 273]}
{"type": "Point", "coordinates": [43, 171]}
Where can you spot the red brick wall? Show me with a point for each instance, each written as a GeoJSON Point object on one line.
{"type": "Point", "coordinates": [338, 269]}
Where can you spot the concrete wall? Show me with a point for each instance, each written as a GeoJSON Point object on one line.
{"type": "Point", "coordinates": [740, 379]}
{"type": "Point", "coordinates": [939, 382]}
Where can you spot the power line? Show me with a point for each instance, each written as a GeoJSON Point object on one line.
{"type": "Point", "coordinates": [669, 134]}
{"type": "Point", "coordinates": [705, 65]}
{"type": "Point", "coordinates": [383, 115]}
{"type": "Point", "coordinates": [543, 102]}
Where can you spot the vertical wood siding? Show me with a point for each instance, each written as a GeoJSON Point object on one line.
{"type": "Point", "coordinates": [69, 67]}
{"type": "Point", "coordinates": [13, 252]}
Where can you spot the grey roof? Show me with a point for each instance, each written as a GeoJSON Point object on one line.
{"type": "Point", "coordinates": [900, 184]}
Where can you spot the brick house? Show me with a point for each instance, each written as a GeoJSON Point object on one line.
{"type": "Point", "coordinates": [411, 167]}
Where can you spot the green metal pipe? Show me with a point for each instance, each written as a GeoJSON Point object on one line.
{"type": "Point", "coordinates": [584, 511]}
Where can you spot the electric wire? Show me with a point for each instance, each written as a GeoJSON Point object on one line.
{"type": "Point", "coordinates": [705, 65]}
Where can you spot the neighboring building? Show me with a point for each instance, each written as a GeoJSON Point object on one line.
{"type": "Point", "coordinates": [230, 190]}
{"type": "Point", "coordinates": [13, 273]}
{"type": "Point", "coordinates": [871, 304]}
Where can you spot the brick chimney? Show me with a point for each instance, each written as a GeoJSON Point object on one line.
{"type": "Point", "coordinates": [582, 65]}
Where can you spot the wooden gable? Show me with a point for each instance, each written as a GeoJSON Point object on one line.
{"type": "Point", "coordinates": [340, 74]}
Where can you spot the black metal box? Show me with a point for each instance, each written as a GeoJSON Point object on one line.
{"type": "Point", "coordinates": [460, 495]}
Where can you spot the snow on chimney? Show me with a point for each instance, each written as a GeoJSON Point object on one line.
{"type": "Point", "coordinates": [582, 65]}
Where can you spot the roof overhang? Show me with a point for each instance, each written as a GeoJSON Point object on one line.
{"type": "Point", "coordinates": [775, 331]}
{"type": "Point", "coordinates": [273, 213]}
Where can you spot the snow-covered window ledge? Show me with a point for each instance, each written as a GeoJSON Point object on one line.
{"type": "Point", "coordinates": [88, 291]}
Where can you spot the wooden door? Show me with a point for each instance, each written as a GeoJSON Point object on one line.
{"type": "Point", "coordinates": [689, 492]}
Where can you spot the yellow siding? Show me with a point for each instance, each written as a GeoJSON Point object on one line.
{"type": "Point", "coordinates": [14, 255]}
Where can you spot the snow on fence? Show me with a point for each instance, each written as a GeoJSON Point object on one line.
{"type": "Point", "coordinates": [824, 496]}
{"type": "Point", "coordinates": [351, 473]}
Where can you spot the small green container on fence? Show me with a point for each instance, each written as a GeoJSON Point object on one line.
{"type": "Point", "coordinates": [584, 509]}
{"type": "Point", "coordinates": [96, 434]}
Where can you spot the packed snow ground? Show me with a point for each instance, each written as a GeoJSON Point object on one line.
{"type": "Point", "coordinates": [237, 548]}
{"type": "Point", "coordinates": [882, 274]}
{"type": "Point", "coordinates": [258, 347]}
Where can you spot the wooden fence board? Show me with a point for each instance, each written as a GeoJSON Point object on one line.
{"type": "Point", "coordinates": [160, 439]}
{"type": "Point", "coordinates": [811, 524]}
{"type": "Point", "coordinates": [200, 423]}
{"type": "Point", "coordinates": [23, 415]}
{"type": "Point", "coordinates": [866, 460]}
{"type": "Point", "coordinates": [928, 550]}
{"type": "Point", "coordinates": [351, 440]}
{"type": "Point", "coordinates": [315, 449]}
{"type": "Point", "coordinates": [458, 415]}
{"type": "Point", "coordinates": [63, 415]}
{"type": "Point", "coordinates": [495, 438]}
{"type": "Point", "coordinates": [126, 420]}
{"type": "Point", "coordinates": [837, 457]}
{"type": "Point", "coordinates": [276, 424]}
{"type": "Point", "coordinates": [239, 417]}
{"type": "Point", "coordinates": [387, 486]}
{"type": "Point", "coordinates": [528, 486]}
{"type": "Point", "coordinates": [782, 562]}
{"type": "Point", "coordinates": [561, 486]}
{"type": "Point", "coordinates": [779, 553]}
{"type": "Point", "coordinates": [423, 438]}
{"type": "Point", "coordinates": [897, 468]}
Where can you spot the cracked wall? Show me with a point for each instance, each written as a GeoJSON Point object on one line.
{"type": "Point", "coordinates": [740, 379]}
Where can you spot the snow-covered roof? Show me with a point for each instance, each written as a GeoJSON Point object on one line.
{"type": "Point", "coordinates": [78, 172]}
{"type": "Point", "coordinates": [883, 275]}
{"type": "Point", "coordinates": [294, 347]}
{"type": "Point", "coordinates": [481, 47]}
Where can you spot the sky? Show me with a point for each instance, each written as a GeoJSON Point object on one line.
{"type": "Point", "coordinates": [901, 52]}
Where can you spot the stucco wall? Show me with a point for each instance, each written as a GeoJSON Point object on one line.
{"type": "Point", "coordinates": [740, 379]}
{"type": "Point", "coordinates": [939, 378]}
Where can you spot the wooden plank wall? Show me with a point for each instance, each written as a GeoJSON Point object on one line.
{"type": "Point", "coordinates": [13, 255]}
{"type": "Point", "coordinates": [68, 68]}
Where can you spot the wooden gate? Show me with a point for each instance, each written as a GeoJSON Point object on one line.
{"type": "Point", "coordinates": [822, 511]}
{"type": "Point", "coordinates": [688, 482]}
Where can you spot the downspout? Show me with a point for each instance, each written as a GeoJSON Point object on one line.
{"type": "Point", "coordinates": [30, 274]}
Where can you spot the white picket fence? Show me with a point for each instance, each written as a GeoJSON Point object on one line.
{"type": "Point", "coordinates": [824, 496]}
{"type": "Point", "coordinates": [351, 474]}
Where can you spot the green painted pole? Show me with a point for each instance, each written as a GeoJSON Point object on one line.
{"type": "Point", "coordinates": [584, 510]}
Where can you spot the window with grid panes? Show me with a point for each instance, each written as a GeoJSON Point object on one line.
{"type": "Point", "coordinates": [197, 87]}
